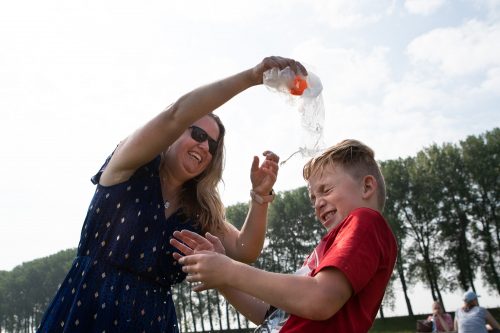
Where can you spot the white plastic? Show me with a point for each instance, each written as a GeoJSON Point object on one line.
{"type": "Point", "coordinates": [309, 105]}
{"type": "Point", "coordinates": [283, 81]}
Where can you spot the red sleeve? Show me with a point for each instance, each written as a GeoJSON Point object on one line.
{"type": "Point", "coordinates": [356, 247]}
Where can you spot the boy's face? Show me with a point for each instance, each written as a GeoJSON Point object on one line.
{"type": "Point", "coordinates": [334, 193]}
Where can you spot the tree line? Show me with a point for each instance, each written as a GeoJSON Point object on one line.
{"type": "Point", "coordinates": [443, 205]}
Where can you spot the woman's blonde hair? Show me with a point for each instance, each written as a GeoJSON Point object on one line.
{"type": "Point", "coordinates": [355, 158]}
{"type": "Point", "coordinates": [200, 196]}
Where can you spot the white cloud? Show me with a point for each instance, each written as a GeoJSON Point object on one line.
{"type": "Point", "coordinates": [468, 49]}
{"type": "Point", "coordinates": [220, 12]}
{"type": "Point", "coordinates": [348, 73]}
{"type": "Point", "coordinates": [491, 7]}
{"type": "Point", "coordinates": [423, 7]}
{"type": "Point", "coordinates": [492, 82]}
{"type": "Point", "coordinates": [347, 14]}
{"type": "Point", "coordinates": [411, 95]}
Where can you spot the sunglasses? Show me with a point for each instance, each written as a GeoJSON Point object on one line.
{"type": "Point", "coordinates": [199, 135]}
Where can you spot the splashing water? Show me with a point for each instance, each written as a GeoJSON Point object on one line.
{"type": "Point", "coordinates": [307, 98]}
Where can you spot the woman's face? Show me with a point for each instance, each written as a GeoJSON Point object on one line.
{"type": "Point", "coordinates": [436, 308]}
{"type": "Point", "coordinates": [189, 157]}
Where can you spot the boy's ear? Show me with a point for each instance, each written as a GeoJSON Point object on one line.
{"type": "Point", "coordinates": [369, 186]}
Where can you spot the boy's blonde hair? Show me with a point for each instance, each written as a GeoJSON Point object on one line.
{"type": "Point", "coordinates": [355, 158]}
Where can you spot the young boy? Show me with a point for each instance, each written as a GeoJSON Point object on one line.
{"type": "Point", "coordinates": [342, 283]}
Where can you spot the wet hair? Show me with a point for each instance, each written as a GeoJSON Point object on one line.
{"type": "Point", "coordinates": [355, 158]}
{"type": "Point", "coordinates": [200, 196]}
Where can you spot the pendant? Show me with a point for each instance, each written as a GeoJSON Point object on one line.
{"type": "Point", "coordinates": [166, 204]}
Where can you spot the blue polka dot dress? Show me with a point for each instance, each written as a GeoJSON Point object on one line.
{"type": "Point", "coordinates": [120, 280]}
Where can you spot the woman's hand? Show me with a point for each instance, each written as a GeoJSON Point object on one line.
{"type": "Point", "coordinates": [191, 242]}
{"type": "Point", "coordinates": [279, 62]}
{"type": "Point", "coordinates": [264, 176]}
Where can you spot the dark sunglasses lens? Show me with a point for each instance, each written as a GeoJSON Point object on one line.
{"type": "Point", "coordinates": [199, 135]}
{"type": "Point", "coordinates": [212, 146]}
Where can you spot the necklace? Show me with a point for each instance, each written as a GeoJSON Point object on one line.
{"type": "Point", "coordinates": [166, 204]}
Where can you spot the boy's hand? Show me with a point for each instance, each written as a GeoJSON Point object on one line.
{"type": "Point", "coordinates": [264, 177]}
{"type": "Point", "coordinates": [206, 269]}
{"type": "Point", "coordinates": [191, 242]}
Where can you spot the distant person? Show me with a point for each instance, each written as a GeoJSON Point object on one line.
{"type": "Point", "coordinates": [341, 284]}
{"type": "Point", "coordinates": [441, 321]}
{"type": "Point", "coordinates": [161, 178]}
{"type": "Point", "coordinates": [472, 318]}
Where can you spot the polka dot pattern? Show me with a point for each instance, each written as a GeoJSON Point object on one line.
{"type": "Point", "coordinates": [121, 279]}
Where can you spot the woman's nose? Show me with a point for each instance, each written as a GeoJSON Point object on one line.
{"type": "Point", "coordinates": [204, 145]}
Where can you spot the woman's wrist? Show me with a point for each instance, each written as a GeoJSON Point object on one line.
{"type": "Point", "coordinates": [262, 198]}
{"type": "Point", "coordinates": [251, 77]}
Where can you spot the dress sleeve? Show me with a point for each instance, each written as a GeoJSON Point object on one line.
{"type": "Point", "coordinates": [95, 178]}
{"type": "Point", "coordinates": [152, 166]}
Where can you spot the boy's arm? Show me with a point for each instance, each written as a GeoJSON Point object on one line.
{"type": "Point", "coordinates": [315, 298]}
{"type": "Point", "coordinates": [252, 308]}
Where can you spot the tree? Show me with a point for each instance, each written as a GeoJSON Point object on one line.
{"type": "Point", "coordinates": [455, 207]}
{"type": "Point", "coordinates": [397, 186]}
{"type": "Point", "coordinates": [293, 231]}
{"type": "Point", "coordinates": [420, 213]}
{"type": "Point", "coordinates": [482, 161]}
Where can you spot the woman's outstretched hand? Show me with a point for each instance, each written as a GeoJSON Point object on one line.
{"type": "Point", "coordinates": [201, 256]}
{"type": "Point", "coordinates": [188, 242]}
{"type": "Point", "coordinates": [278, 62]}
{"type": "Point", "coordinates": [264, 176]}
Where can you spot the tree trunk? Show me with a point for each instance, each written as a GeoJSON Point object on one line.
{"type": "Point", "coordinates": [238, 320]}
{"type": "Point", "coordinates": [405, 287]}
{"type": "Point", "coordinates": [434, 278]}
{"type": "Point", "coordinates": [428, 273]}
{"type": "Point", "coordinates": [219, 313]}
{"type": "Point", "coordinates": [491, 260]}
{"type": "Point", "coordinates": [200, 311]}
{"type": "Point", "coordinates": [228, 322]}
{"type": "Point", "coordinates": [209, 309]}
{"type": "Point", "coordinates": [191, 308]}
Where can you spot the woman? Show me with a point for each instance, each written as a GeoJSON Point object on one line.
{"type": "Point", "coordinates": [160, 179]}
{"type": "Point", "coordinates": [441, 321]}
{"type": "Point", "coordinates": [472, 318]}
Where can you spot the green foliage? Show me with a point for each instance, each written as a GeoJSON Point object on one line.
{"type": "Point", "coordinates": [26, 291]}
{"type": "Point", "coordinates": [236, 214]}
{"type": "Point", "coordinates": [292, 233]}
{"type": "Point", "coordinates": [440, 200]}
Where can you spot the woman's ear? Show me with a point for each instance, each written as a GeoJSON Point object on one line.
{"type": "Point", "coordinates": [369, 186]}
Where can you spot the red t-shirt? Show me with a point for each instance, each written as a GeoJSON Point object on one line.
{"type": "Point", "coordinates": [363, 247]}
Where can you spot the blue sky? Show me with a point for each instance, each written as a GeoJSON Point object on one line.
{"type": "Point", "coordinates": [76, 77]}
